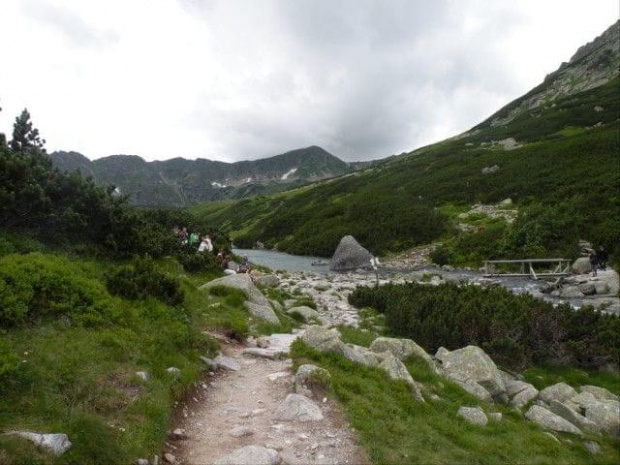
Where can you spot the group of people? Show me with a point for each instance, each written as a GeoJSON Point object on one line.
{"type": "Point", "coordinates": [203, 244]}
{"type": "Point", "coordinates": [598, 259]}
{"type": "Point", "coordinates": [228, 266]}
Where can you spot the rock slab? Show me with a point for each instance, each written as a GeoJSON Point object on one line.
{"type": "Point", "coordinates": [550, 420]}
{"type": "Point", "coordinates": [56, 444]}
{"type": "Point", "coordinates": [250, 455]}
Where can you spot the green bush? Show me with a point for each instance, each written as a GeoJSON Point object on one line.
{"type": "Point", "coordinates": [37, 286]}
{"type": "Point", "coordinates": [142, 279]}
{"type": "Point", "coordinates": [515, 330]}
{"type": "Point", "coordinates": [197, 262]}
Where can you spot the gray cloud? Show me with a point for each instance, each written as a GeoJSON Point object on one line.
{"type": "Point", "coordinates": [75, 30]}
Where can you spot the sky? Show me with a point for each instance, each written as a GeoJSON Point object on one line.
{"type": "Point", "coordinates": [234, 80]}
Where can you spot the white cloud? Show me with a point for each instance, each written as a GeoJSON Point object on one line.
{"type": "Point", "coordinates": [240, 79]}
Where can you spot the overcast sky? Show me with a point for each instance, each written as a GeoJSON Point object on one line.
{"type": "Point", "coordinates": [242, 79]}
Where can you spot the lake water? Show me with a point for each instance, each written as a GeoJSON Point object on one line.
{"type": "Point", "coordinates": [282, 261]}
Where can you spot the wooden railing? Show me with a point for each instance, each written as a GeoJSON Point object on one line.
{"type": "Point", "coordinates": [562, 268]}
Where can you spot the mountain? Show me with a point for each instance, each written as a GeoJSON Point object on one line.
{"type": "Point", "coordinates": [180, 182]}
{"type": "Point", "coordinates": [555, 152]}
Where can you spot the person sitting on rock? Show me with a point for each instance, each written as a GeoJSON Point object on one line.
{"type": "Point", "coordinates": [245, 265]}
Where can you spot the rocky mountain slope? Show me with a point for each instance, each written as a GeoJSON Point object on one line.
{"type": "Point", "coordinates": [554, 152]}
{"type": "Point", "coordinates": [179, 182]}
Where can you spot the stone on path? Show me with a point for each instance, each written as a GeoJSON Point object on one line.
{"type": "Point", "coordinates": [228, 363]}
{"type": "Point", "coordinates": [241, 432]}
{"type": "Point", "coordinates": [56, 444]}
{"type": "Point", "coordinates": [550, 420]}
{"type": "Point", "coordinates": [298, 408]}
{"type": "Point", "coordinates": [271, 354]}
{"type": "Point", "coordinates": [250, 455]}
{"type": "Point", "coordinates": [350, 255]}
{"type": "Point", "coordinates": [473, 415]}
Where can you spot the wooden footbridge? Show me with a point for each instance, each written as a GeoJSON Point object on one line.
{"type": "Point", "coordinates": [555, 268]}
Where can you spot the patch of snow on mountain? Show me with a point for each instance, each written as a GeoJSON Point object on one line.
{"type": "Point", "coordinates": [288, 173]}
{"type": "Point", "coordinates": [217, 184]}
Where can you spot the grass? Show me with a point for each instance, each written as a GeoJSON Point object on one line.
{"type": "Point", "coordinates": [395, 429]}
{"type": "Point", "coordinates": [541, 377]}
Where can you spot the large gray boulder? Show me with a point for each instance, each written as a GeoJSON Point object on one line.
{"type": "Point", "coordinates": [306, 312]}
{"type": "Point", "coordinates": [267, 280]}
{"type": "Point", "coordinates": [250, 455]}
{"type": "Point", "coordinates": [599, 393]}
{"type": "Point", "coordinates": [349, 255]}
{"type": "Point", "coordinates": [575, 418]}
{"type": "Point", "coordinates": [606, 414]}
{"type": "Point", "coordinates": [323, 339]}
{"type": "Point", "coordinates": [402, 349]}
{"type": "Point", "coordinates": [298, 408]}
{"type": "Point", "coordinates": [560, 392]}
{"type": "Point", "coordinates": [243, 283]}
{"type": "Point", "coordinates": [262, 312]}
{"type": "Point", "coordinates": [473, 415]}
{"type": "Point", "coordinates": [397, 370]}
{"type": "Point", "coordinates": [581, 265]}
{"type": "Point", "coordinates": [550, 420]}
{"type": "Point", "coordinates": [361, 355]}
{"type": "Point", "coordinates": [56, 444]}
{"type": "Point", "coordinates": [472, 365]}
{"type": "Point", "coordinates": [521, 398]}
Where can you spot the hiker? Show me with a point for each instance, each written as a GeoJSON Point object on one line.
{"type": "Point", "coordinates": [183, 235]}
{"type": "Point", "coordinates": [602, 258]}
{"type": "Point", "coordinates": [193, 239]}
{"type": "Point", "coordinates": [207, 239]}
{"type": "Point", "coordinates": [205, 245]}
{"type": "Point", "coordinates": [593, 262]}
{"type": "Point", "coordinates": [245, 265]}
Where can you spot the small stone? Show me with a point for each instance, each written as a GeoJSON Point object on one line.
{"type": "Point", "coordinates": [495, 416]}
{"type": "Point", "coordinates": [169, 458]}
{"type": "Point", "coordinates": [174, 371]}
{"type": "Point", "coordinates": [178, 434]}
{"type": "Point", "coordinates": [143, 375]}
{"type": "Point", "coordinates": [142, 462]}
{"type": "Point", "coordinates": [592, 446]}
{"type": "Point", "coordinates": [241, 432]}
{"type": "Point", "coordinates": [474, 415]}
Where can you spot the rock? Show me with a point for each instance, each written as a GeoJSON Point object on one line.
{"type": "Point", "coordinates": [250, 455]}
{"type": "Point", "coordinates": [475, 390]}
{"type": "Point", "coordinates": [306, 312]}
{"type": "Point", "coordinates": [471, 363]}
{"type": "Point", "coordinates": [56, 444]}
{"type": "Point", "coordinates": [441, 352]}
{"type": "Point", "coordinates": [267, 280]}
{"type": "Point", "coordinates": [560, 392]}
{"type": "Point", "coordinates": [169, 458]}
{"type": "Point", "coordinates": [515, 386]}
{"type": "Point", "coordinates": [262, 342]}
{"type": "Point", "coordinates": [323, 339]}
{"type": "Point", "coordinates": [174, 371]}
{"type": "Point", "coordinates": [143, 375]}
{"type": "Point", "coordinates": [599, 393]}
{"type": "Point", "coordinates": [570, 292]}
{"type": "Point", "coordinates": [601, 287]}
{"type": "Point", "coordinates": [592, 446]}
{"type": "Point", "coordinates": [262, 312]}
{"type": "Point", "coordinates": [227, 363]}
{"type": "Point", "coordinates": [178, 434]}
{"type": "Point", "coordinates": [598, 108]}
{"type": "Point", "coordinates": [209, 362]}
{"type": "Point", "coordinates": [402, 349]}
{"type": "Point", "coordinates": [361, 355]}
{"type": "Point", "coordinates": [606, 414]}
{"type": "Point", "coordinates": [571, 415]}
{"type": "Point", "coordinates": [587, 289]}
{"type": "Point", "coordinates": [350, 255]}
{"type": "Point", "coordinates": [505, 203]}
{"type": "Point", "coordinates": [581, 266]}
{"type": "Point", "coordinates": [271, 354]}
{"type": "Point", "coordinates": [243, 283]}
{"type": "Point", "coordinates": [550, 420]}
{"type": "Point", "coordinates": [142, 462]}
{"type": "Point", "coordinates": [241, 432]}
{"type": "Point", "coordinates": [298, 408]}
{"type": "Point", "coordinates": [397, 370]}
{"type": "Point", "coordinates": [312, 374]}
{"type": "Point", "coordinates": [489, 169]}
{"type": "Point", "coordinates": [581, 401]}
{"type": "Point", "coordinates": [473, 415]}
{"type": "Point", "coordinates": [495, 416]}
{"type": "Point", "coordinates": [523, 397]}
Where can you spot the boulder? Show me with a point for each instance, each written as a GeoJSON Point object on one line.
{"type": "Point", "coordinates": [472, 364]}
{"type": "Point", "coordinates": [587, 289]}
{"type": "Point", "coordinates": [606, 414]}
{"type": "Point", "coordinates": [323, 339]}
{"type": "Point", "coordinates": [473, 415]}
{"type": "Point", "coordinates": [309, 377]}
{"type": "Point", "coordinates": [56, 444]}
{"type": "Point", "coordinates": [570, 292]}
{"type": "Point", "coordinates": [523, 397]}
{"type": "Point", "coordinates": [601, 287]}
{"type": "Point", "coordinates": [243, 283]}
{"type": "Point", "coordinates": [250, 455]}
{"type": "Point", "coordinates": [266, 280]}
{"type": "Point", "coordinates": [581, 265]}
{"type": "Point", "coordinates": [350, 255]}
{"type": "Point", "coordinates": [298, 408]}
{"type": "Point", "coordinates": [515, 386]}
{"type": "Point", "coordinates": [402, 349]}
{"type": "Point", "coordinates": [575, 418]}
{"type": "Point", "coordinates": [307, 312]}
{"type": "Point", "coordinates": [361, 355]}
{"type": "Point", "coordinates": [599, 393]}
{"type": "Point", "coordinates": [560, 392]}
{"type": "Point", "coordinates": [227, 363]}
{"type": "Point", "coordinates": [581, 401]}
{"type": "Point", "coordinates": [550, 420]}
{"type": "Point", "coordinates": [397, 370]}
{"type": "Point", "coordinates": [475, 390]}
{"type": "Point", "coordinates": [262, 312]}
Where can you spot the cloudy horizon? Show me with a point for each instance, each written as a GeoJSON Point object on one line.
{"type": "Point", "coordinates": [241, 79]}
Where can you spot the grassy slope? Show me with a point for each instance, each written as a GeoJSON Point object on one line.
{"type": "Point", "coordinates": [559, 160]}
{"type": "Point", "coordinates": [394, 428]}
{"type": "Point", "coordinates": [80, 380]}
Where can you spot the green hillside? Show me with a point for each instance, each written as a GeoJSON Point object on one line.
{"type": "Point", "coordinates": [564, 177]}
